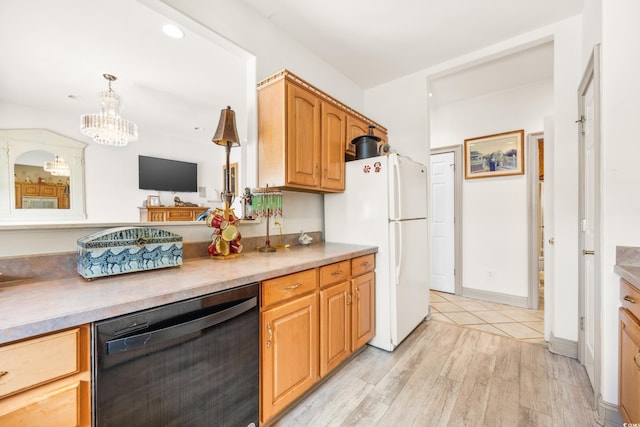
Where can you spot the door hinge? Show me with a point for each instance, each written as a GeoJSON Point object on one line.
{"type": "Point", "coordinates": [581, 120]}
{"type": "Point", "coordinates": [582, 323]}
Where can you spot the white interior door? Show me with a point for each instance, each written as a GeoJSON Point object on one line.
{"type": "Point", "coordinates": [588, 228]}
{"type": "Point", "coordinates": [442, 214]}
{"type": "Point", "coordinates": [589, 333]}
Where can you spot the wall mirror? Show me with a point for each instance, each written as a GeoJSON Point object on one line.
{"type": "Point", "coordinates": [173, 89]}
{"type": "Point", "coordinates": [32, 193]}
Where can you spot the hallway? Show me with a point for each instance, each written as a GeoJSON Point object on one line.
{"type": "Point", "coordinates": [514, 322]}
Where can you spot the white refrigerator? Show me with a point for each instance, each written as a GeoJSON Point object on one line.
{"type": "Point", "coordinates": [385, 204]}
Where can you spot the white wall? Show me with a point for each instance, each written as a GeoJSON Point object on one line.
{"type": "Point", "coordinates": [495, 210]}
{"type": "Point", "coordinates": [620, 154]}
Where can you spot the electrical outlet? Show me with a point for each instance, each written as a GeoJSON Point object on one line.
{"type": "Point", "coordinates": [490, 274]}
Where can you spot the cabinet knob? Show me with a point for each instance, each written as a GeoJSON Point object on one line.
{"type": "Point", "coordinates": [291, 287]}
{"type": "Point", "coordinates": [629, 299]}
{"type": "Point", "coordinates": [336, 273]}
{"type": "Point", "coordinates": [635, 359]}
{"type": "Point", "coordinates": [3, 373]}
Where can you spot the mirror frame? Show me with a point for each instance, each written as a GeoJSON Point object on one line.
{"type": "Point", "coordinates": [14, 143]}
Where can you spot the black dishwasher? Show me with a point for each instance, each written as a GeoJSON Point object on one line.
{"type": "Point", "coordinates": [192, 363]}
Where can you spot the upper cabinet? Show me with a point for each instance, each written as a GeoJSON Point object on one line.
{"type": "Point", "coordinates": [304, 135]}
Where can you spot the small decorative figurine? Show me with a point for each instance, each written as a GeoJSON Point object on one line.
{"type": "Point", "coordinates": [247, 204]}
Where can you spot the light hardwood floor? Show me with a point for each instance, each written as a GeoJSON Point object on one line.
{"type": "Point", "coordinates": [447, 375]}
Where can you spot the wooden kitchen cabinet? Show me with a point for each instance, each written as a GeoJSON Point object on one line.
{"type": "Point", "coordinates": [335, 315]}
{"type": "Point", "coordinates": [363, 300]}
{"type": "Point", "coordinates": [51, 191]}
{"type": "Point", "coordinates": [629, 353]}
{"type": "Point", "coordinates": [302, 135]}
{"type": "Point", "coordinates": [346, 310]}
{"type": "Point", "coordinates": [289, 340]}
{"type": "Point", "coordinates": [45, 381]}
{"type": "Point", "coordinates": [170, 213]}
{"type": "Point", "coordinates": [312, 321]}
{"type": "Point", "coordinates": [332, 142]}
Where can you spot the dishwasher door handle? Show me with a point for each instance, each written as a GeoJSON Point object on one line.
{"type": "Point", "coordinates": [137, 341]}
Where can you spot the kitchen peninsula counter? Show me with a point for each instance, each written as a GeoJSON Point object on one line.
{"type": "Point", "coordinates": [33, 307]}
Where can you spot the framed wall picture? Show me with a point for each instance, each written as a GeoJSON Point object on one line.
{"type": "Point", "coordinates": [153, 200]}
{"type": "Point", "coordinates": [489, 156]}
{"type": "Point", "coordinates": [233, 178]}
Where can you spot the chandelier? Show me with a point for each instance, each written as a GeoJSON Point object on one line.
{"type": "Point", "coordinates": [58, 167]}
{"type": "Point", "coordinates": [107, 127]}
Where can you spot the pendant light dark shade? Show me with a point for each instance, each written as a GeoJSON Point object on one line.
{"type": "Point", "coordinates": [226, 134]}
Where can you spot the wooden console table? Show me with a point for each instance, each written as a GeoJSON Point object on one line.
{"type": "Point", "coordinates": [170, 213]}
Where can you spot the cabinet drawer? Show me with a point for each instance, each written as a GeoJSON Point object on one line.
{"type": "Point", "coordinates": [630, 298]}
{"type": "Point", "coordinates": [334, 273]}
{"type": "Point", "coordinates": [30, 363]}
{"type": "Point", "coordinates": [57, 408]}
{"type": "Point", "coordinates": [179, 215]}
{"type": "Point", "coordinates": [285, 287]}
{"type": "Point", "coordinates": [362, 264]}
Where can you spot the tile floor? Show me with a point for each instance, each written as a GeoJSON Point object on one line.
{"type": "Point", "coordinates": [515, 322]}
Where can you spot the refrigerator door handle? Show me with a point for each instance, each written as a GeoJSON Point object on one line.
{"type": "Point", "coordinates": [397, 190]}
{"type": "Point", "coordinates": [397, 225]}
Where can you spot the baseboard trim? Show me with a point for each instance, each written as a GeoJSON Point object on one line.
{"type": "Point", "coordinates": [496, 297]}
{"type": "Point", "coordinates": [563, 347]}
{"type": "Point", "coordinates": [607, 414]}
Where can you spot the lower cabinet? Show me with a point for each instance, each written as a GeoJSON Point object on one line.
{"type": "Point", "coordinates": [346, 310]}
{"type": "Point", "coordinates": [311, 322]}
{"type": "Point", "coordinates": [362, 310]}
{"type": "Point", "coordinates": [629, 353]}
{"type": "Point", "coordinates": [629, 379]}
{"type": "Point", "coordinates": [335, 326]}
{"type": "Point", "coordinates": [45, 381]}
{"type": "Point", "coordinates": [289, 340]}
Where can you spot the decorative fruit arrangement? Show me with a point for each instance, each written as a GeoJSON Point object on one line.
{"type": "Point", "coordinates": [225, 239]}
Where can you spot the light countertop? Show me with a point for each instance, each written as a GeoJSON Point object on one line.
{"type": "Point", "coordinates": [33, 307]}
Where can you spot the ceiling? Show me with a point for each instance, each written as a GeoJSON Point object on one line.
{"type": "Point", "coordinates": [56, 57]}
{"type": "Point", "coordinates": [376, 41]}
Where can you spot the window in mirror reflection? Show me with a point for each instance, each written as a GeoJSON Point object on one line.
{"type": "Point", "coordinates": [37, 188]}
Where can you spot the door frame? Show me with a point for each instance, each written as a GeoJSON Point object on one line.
{"type": "Point", "coordinates": [533, 191]}
{"type": "Point", "coordinates": [591, 75]}
{"type": "Point", "coordinates": [457, 210]}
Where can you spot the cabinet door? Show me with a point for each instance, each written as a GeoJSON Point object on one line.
{"type": "Point", "coordinates": [629, 375]}
{"type": "Point", "coordinates": [335, 326]}
{"type": "Point", "coordinates": [355, 128]}
{"type": "Point", "coordinates": [289, 346]}
{"type": "Point", "coordinates": [333, 140]}
{"type": "Point", "coordinates": [362, 309]}
{"type": "Point", "coordinates": [159, 215]}
{"type": "Point", "coordinates": [48, 191]}
{"type": "Point", "coordinates": [303, 137]}
{"type": "Point", "coordinates": [31, 190]}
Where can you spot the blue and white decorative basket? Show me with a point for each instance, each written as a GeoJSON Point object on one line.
{"type": "Point", "coordinates": [127, 250]}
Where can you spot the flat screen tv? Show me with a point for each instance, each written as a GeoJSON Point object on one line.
{"type": "Point", "coordinates": [167, 175]}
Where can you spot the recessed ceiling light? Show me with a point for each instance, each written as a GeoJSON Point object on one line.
{"type": "Point", "coordinates": [173, 31]}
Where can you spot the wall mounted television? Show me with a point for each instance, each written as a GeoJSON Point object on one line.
{"type": "Point", "coordinates": [167, 175]}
